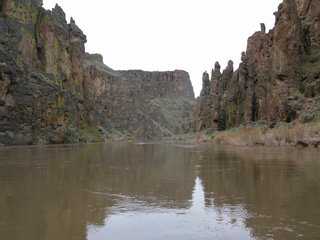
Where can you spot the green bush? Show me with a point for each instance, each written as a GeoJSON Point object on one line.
{"type": "Point", "coordinates": [82, 132]}
{"type": "Point", "coordinates": [312, 64]}
{"type": "Point", "coordinates": [315, 57]}
{"type": "Point", "coordinates": [305, 118]}
{"type": "Point", "coordinates": [302, 88]}
{"type": "Point", "coordinates": [283, 125]}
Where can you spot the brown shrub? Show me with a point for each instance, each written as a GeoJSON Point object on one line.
{"type": "Point", "coordinates": [244, 137]}
{"type": "Point", "coordinates": [283, 136]}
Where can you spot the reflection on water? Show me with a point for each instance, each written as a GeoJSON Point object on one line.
{"type": "Point", "coordinates": [158, 191]}
{"type": "Point", "coordinates": [140, 221]}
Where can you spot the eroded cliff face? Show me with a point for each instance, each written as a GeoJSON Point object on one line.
{"type": "Point", "coordinates": [278, 78]}
{"type": "Point", "coordinates": [52, 92]}
{"type": "Point", "coordinates": [145, 104]}
{"type": "Point", "coordinates": [40, 73]}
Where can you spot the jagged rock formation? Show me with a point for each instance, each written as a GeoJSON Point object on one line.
{"type": "Point", "coordinates": [41, 80]}
{"type": "Point", "coordinates": [51, 91]}
{"type": "Point", "coordinates": [278, 75]}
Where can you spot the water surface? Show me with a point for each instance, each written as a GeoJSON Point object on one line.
{"type": "Point", "coordinates": [158, 191]}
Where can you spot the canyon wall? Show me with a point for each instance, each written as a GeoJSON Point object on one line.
{"type": "Point", "coordinates": [145, 104]}
{"type": "Point", "coordinates": [277, 79]}
{"type": "Point", "coordinates": [52, 91]}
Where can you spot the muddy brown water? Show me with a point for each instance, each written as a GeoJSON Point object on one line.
{"type": "Point", "coordinates": [158, 191]}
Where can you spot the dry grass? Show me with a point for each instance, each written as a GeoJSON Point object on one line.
{"type": "Point", "coordinates": [244, 137]}
{"type": "Point", "coordinates": [298, 135]}
{"type": "Point", "coordinates": [291, 136]}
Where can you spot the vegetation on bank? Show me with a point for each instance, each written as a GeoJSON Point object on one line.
{"type": "Point", "coordinates": [83, 133]}
{"type": "Point", "coordinates": [299, 135]}
{"type": "Point", "coordinates": [258, 134]}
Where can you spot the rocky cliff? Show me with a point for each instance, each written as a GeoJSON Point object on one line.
{"type": "Point", "coordinates": [278, 78]}
{"type": "Point", "coordinates": [51, 91]}
{"type": "Point", "coordinates": [144, 104]}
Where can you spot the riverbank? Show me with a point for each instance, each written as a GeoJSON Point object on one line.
{"type": "Point", "coordinates": [258, 134]}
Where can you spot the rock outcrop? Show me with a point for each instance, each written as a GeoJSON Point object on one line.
{"type": "Point", "coordinates": [51, 91]}
{"type": "Point", "coordinates": [41, 73]}
{"type": "Point", "coordinates": [276, 69]}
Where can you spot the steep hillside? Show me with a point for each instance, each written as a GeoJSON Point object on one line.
{"type": "Point", "coordinates": [143, 104]}
{"type": "Point", "coordinates": [278, 79]}
{"type": "Point", "coordinates": [51, 91]}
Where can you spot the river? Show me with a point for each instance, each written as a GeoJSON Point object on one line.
{"type": "Point", "coordinates": [158, 191]}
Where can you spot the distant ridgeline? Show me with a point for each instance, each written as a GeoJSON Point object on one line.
{"type": "Point", "coordinates": [278, 79]}
{"type": "Point", "coordinates": [51, 91]}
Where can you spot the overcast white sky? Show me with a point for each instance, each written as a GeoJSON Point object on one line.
{"type": "Point", "coordinates": [161, 35]}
